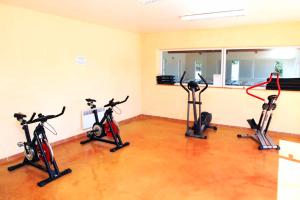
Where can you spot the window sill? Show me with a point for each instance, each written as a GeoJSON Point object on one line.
{"type": "Point", "coordinates": [227, 87]}
{"type": "Point", "coordinates": [216, 86]}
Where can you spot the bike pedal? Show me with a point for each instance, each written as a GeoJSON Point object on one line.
{"type": "Point", "coordinates": [20, 144]}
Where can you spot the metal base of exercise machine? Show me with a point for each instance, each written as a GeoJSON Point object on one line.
{"type": "Point", "coordinates": [117, 141]}
{"type": "Point", "coordinates": [53, 173]}
{"type": "Point", "coordinates": [264, 141]}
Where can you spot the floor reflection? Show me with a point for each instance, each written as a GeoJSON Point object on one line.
{"type": "Point", "coordinates": [289, 171]}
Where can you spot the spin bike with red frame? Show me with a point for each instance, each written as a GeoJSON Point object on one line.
{"type": "Point", "coordinates": [38, 148]}
{"type": "Point", "coordinates": [107, 127]}
{"type": "Point", "coordinates": [261, 129]}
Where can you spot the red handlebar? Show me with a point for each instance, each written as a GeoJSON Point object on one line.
{"type": "Point", "coordinates": [264, 83]}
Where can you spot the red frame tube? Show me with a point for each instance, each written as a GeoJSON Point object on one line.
{"type": "Point", "coordinates": [264, 83]}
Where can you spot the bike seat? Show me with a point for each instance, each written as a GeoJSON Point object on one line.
{"type": "Point", "coordinates": [90, 100]}
{"type": "Point", "coordinates": [272, 97]}
{"type": "Point", "coordinates": [19, 115]}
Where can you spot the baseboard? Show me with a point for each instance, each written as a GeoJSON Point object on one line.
{"type": "Point", "coordinates": [129, 120]}
{"type": "Point", "coordinates": [219, 125]}
{"type": "Point", "coordinates": [63, 141]}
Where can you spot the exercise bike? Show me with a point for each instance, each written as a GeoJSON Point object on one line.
{"type": "Point", "coordinates": [38, 148]}
{"type": "Point", "coordinates": [200, 124]}
{"type": "Point", "coordinates": [261, 129]}
{"type": "Point", "coordinates": [107, 127]}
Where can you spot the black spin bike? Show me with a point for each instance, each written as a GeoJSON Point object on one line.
{"type": "Point", "coordinates": [107, 127]}
{"type": "Point", "coordinates": [38, 148]}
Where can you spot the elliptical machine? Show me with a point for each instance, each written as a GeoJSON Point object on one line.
{"type": "Point", "coordinates": [38, 148]}
{"type": "Point", "coordinates": [107, 127]}
{"type": "Point", "coordinates": [200, 124]}
{"type": "Point", "coordinates": [261, 129]}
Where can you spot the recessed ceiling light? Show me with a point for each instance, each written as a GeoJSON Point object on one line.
{"type": "Point", "coordinates": [146, 2]}
{"type": "Point", "coordinates": [213, 15]}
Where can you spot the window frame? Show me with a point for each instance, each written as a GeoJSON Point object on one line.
{"type": "Point", "coordinates": [193, 49]}
{"type": "Point", "coordinates": [223, 62]}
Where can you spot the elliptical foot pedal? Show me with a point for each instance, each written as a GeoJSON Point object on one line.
{"type": "Point", "coordinates": [252, 123]}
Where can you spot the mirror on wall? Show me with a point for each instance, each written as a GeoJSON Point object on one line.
{"type": "Point", "coordinates": [245, 67]}
{"type": "Point", "coordinates": [205, 62]}
{"type": "Point", "coordinates": [237, 67]}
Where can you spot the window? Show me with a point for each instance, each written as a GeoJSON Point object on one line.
{"type": "Point", "coordinates": [245, 67]}
{"type": "Point", "coordinates": [205, 62]}
{"type": "Point", "coordinates": [232, 67]}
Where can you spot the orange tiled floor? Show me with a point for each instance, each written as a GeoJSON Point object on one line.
{"type": "Point", "coordinates": [160, 163]}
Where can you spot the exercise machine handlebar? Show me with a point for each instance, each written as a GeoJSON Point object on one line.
{"type": "Point", "coordinates": [205, 82]}
{"type": "Point", "coordinates": [182, 77]}
{"type": "Point", "coordinates": [112, 103]}
{"type": "Point", "coordinates": [44, 118]}
{"type": "Point", "coordinates": [186, 89]}
{"type": "Point", "coordinates": [264, 83]}
{"type": "Point", "coordinates": [20, 117]}
{"type": "Point", "coordinates": [89, 100]}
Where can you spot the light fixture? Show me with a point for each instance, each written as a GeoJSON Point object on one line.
{"type": "Point", "coordinates": [213, 15]}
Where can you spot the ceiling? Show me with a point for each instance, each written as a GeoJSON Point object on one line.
{"type": "Point", "coordinates": [164, 15]}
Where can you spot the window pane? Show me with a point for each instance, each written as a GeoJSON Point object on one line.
{"type": "Point", "coordinates": [205, 62]}
{"type": "Point", "coordinates": [247, 67]}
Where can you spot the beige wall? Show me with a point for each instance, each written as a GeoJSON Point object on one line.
{"type": "Point", "coordinates": [229, 106]}
{"type": "Point", "coordinates": [38, 71]}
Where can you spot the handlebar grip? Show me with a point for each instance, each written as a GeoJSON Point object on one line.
{"type": "Point", "coordinates": [90, 100]}
{"type": "Point", "coordinates": [19, 115]}
{"type": "Point", "coordinates": [181, 79]}
{"type": "Point", "coordinates": [63, 110]}
{"type": "Point", "coordinates": [124, 100]}
{"type": "Point", "coordinates": [205, 82]}
{"type": "Point", "coordinates": [111, 103]}
{"type": "Point", "coordinates": [32, 117]}
{"type": "Point", "coordinates": [278, 84]}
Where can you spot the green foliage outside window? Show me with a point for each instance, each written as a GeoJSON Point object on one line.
{"type": "Point", "coordinates": [279, 67]}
